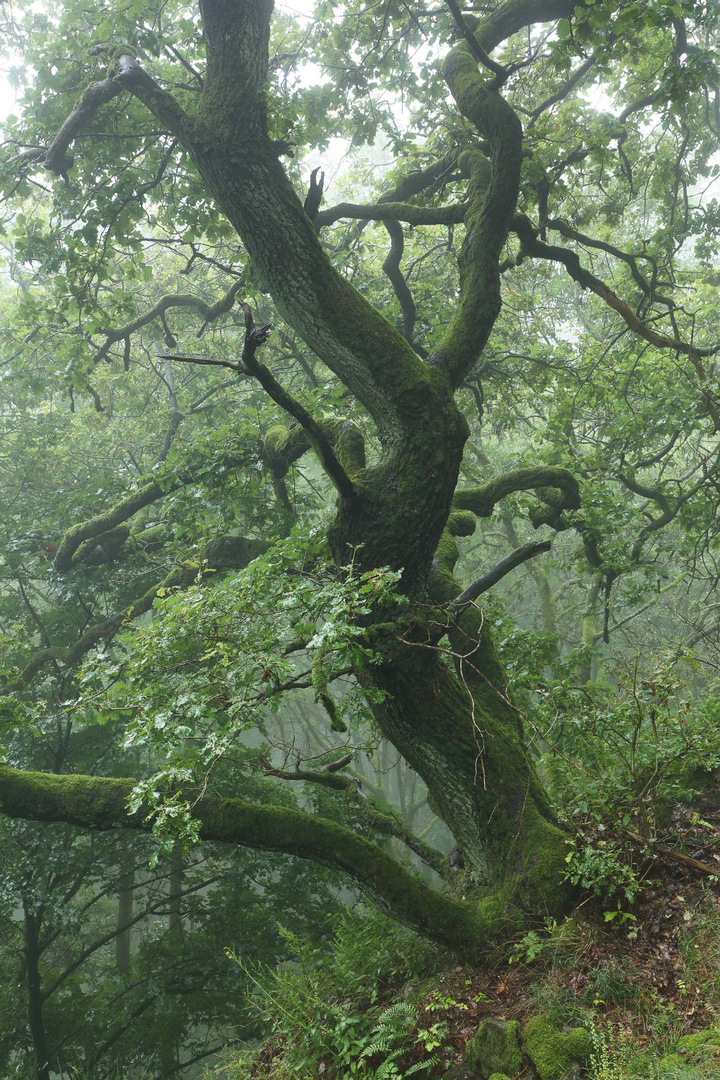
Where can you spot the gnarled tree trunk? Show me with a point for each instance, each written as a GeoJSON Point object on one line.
{"type": "Point", "coordinates": [449, 715]}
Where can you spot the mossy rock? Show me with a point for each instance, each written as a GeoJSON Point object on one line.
{"type": "Point", "coordinates": [460, 1072]}
{"type": "Point", "coordinates": [556, 1054]}
{"type": "Point", "coordinates": [499, 1076]}
{"type": "Point", "coordinates": [702, 1042]}
{"type": "Point", "coordinates": [495, 1048]}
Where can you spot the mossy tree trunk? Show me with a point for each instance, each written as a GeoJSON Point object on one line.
{"type": "Point", "coordinates": [461, 733]}
{"type": "Point", "coordinates": [457, 728]}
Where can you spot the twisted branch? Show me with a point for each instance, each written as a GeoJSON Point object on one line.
{"type": "Point", "coordinates": [101, 803]}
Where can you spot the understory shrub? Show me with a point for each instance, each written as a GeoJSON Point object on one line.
{"type": "Point", "coordinates": [331, 1010]}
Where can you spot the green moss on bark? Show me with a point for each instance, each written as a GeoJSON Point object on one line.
{"type": "Point", "coordinates": [461, 523]}
{"type": "Point", "coordinates": [350, 449]}
{"type": "Point", "coordinates": [552, 484]}
{"type": "Point", "coordinates": [99, 803]}
{"type": "Point", "coordinates": [93, 802]}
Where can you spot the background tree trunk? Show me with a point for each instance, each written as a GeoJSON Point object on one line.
{"type": "Point", "coordinates": [36, 1023]}
{"type": "Point", "coordinates": [123, 941]}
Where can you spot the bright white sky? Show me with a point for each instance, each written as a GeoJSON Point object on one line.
{"type": "Point", "coordinates": [331, 161]}
{"type": "Point", "coordinates": [7, 96]}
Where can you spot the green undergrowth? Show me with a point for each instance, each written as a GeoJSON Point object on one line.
{"type": "Point", "coordinates": [381, 1004]}
{"type": "Point", "coordinates": [347, 1010]}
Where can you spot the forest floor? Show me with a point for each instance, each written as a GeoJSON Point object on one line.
{"type": "Point", "coordinates": [643, 981]}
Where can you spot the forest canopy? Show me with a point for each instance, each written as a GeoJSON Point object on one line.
{"type": "Point", "coordinates": [360, 487]}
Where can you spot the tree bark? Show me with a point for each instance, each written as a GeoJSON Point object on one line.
{"type": "Point", "coordinates": [36, 1022]}
{"type": "Point", "coordinates": [126, 895]}
{"type": "Point", "coordinates": [96, 803]}
{"type": "Point", "coordinates": [461, 733]}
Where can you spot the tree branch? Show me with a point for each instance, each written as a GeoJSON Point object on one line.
{"type": "Point", "coordinates": [391, 267]}
{"type": "Point", "coordinates": [564, 90]}
{"type": "Point", "coordinates": [536, 248]}
{"type": "Point", "coordinates": [505, 566]}
{"type": "Point", "coordinates": [475, 47]}
{"type": "Point", "coordinates": [515, 15]}
{"type": "Point", "coordinates": [158, 101]}
{"type": "Point", "coordinates": [56, 157]}
{"type": "Point", "coordinates": [393, 211]}
{"type": "Point", "coordinates": [100, 803]}
{"type": "Point", "coordinates": [388, 824]}
{"type": "Point", "coordinates": [670, 853]}
{"type": "Point", "coordinates": [431, 176]}
{"type": "Point", "coordinates": [254, 338]}
{"type": "Point", "coordinates": [129, 76]}
{"type": "Point", "coordinates": [483, 499]}
{"type": "Point", "coordinates": [492, 196]}
{"type": "Point", "coordinates": [209, 312]}
{"type": "Point", "coordinates": [129, 506]}
{"type": "Point", "coordinates": [588, 241]}
{"type": "Point", "coordinates": [200, 360]}
{"type": "Point", "coordinates": [110, 519]}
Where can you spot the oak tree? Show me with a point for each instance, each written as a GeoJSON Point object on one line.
{"type": "Point", "coordinates": [529, 137]}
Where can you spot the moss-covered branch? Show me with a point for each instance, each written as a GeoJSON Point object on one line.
{"type": "Point", "coordinates": [109, 520]}
{"type": "Point", "coordinates": [393, 211]}
{"type": "Point", "coordinates": [99, 803]}
{"type": "Point", "coordinates": [429, 177]}
{"type": "Point", "coordinates": [494, 186]}
{"type": "Point", "coordinates": [281, 447]}
{"type": "Point", "coordinates": [474, 45]}
{"type": "Point", "coordinates": [390, 825]}
{"type": "Point", "coordinates": [163, 106]}
{"type": "Point", "coordinates": [514, 15]}
{"type": "Point", "coordinates": [492, 194]}
{"type": "Point", "coordinates": [126, 508]}
{"type": "Point", "coordinates": [483, 499]}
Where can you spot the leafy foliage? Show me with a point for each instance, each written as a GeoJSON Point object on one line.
{"type": "Point", "coordinates": [329, 1013]}
{"type": "Point", "coordinates": [184, 602]}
